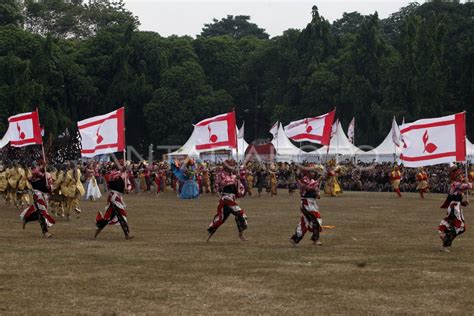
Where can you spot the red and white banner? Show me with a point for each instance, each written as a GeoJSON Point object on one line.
{"type": "Point", "coordinates": [23, 130]}
{"type": "Point", "coordinates": [434, 141]}
{"type": "Point", "coordinates": [103, 134]}
{"type": "Point", "coordinates": [315, 129]}
{"type": "Point", "coordinates": [218, 132]}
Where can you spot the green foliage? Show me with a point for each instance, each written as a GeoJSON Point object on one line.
{"type": "Point", "coordinates": [75, 60]}
{"type": "Point", "coordinates": [236, 27]}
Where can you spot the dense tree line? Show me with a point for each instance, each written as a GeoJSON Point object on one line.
{"type": "Point", "coordinates": [74, 60]}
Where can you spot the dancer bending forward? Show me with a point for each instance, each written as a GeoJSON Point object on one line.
{"type": "Point", "coordinates": [39, 210]}
{"type": "Point", "coordinates": [453, 224]}
{"type": "Point", "coordinates": [311, 217]}
{"type": "Point", "coordinates": [230, 189]}
{"type": "Point", "coordinates": [115, 213]}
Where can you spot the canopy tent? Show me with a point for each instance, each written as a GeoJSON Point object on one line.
{"type": "Point", "coordinates": [189, 150]}
{"type": "Point", "coordinates": [469, 151]}
{"type": "Point", "coordinates": [387, 151]}
{"type": "Point", "coordinates": [286, 151]}
{"type": "Point", "coordinates": [338, 146]}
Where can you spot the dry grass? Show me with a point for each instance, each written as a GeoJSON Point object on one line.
{"type": "Point", "coordinates": [382, 257]}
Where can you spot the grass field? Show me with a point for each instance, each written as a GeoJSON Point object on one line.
{"type": "Point", "coordinates": [382, 257]}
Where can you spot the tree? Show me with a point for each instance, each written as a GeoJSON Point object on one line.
{"type": "Point", "coordinates": [236, 27]}
{"type": "Point", "coordinates": [10, 13]}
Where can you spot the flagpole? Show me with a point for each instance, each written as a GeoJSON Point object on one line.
{"type": "Point", "coordinates": [278, 132]}
{"type": "Point", "coordinates": [125, 152]}
{"type": "Point", "coordinates": [236, 139]}
{"type": "Point", "coordinates": [43, 152]}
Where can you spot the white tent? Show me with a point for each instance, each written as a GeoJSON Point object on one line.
{"type": "Point", "coordinates": [338, 146]}
{"type": "Point", "coordinates": [286, 151]}
{"type": "Point", "coordinates": [387, 151]}
{"type": "Point", "coordinates": [189, 149]}
{"type": "Point", "coordinates": [469, 151]}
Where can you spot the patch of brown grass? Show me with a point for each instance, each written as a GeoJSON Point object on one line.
{"type": "Point", "coordinates": [382, 257]}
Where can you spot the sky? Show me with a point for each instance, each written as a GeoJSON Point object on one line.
{"type": "Point", "coordinates": [187, 17]}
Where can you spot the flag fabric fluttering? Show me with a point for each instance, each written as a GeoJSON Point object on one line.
{"type": "Point", "coordinates": [315, 129]}
{"type": "Point", "coordinates": [103, 134]}
{"type": "Point", "coordinates": [216, 133]}
{"type": "Point", "coordinates": [241, 133]}
{"type": "Point", "coordinates": [23, 130]}
{"type": "Point", "coordinates": [434, 141]}
{"type": "Point", "coordinates": [396, 137]}
{"type": "Point", "coordinates": [274, 129]}
{"type": "Point", "coordinates": [351, 131]}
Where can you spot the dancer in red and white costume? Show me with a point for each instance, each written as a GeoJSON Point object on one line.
{"type": "Point", "coordinates": [311, 217]}
{"type": "Point", "coordinates": [229, 188]}
{"type": "Point", "coordinates": [453, 224]}
{"type": "Point", "coordinates": [41, 184]}
{"type": "Point", "coordinates": [115, 212]}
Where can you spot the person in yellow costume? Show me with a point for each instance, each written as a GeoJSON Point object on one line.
{"type": "Point", "coordinates": [273, 180]}
{"type": "Point", "coordinates": [57, 199]}
{"type": "Point", "coordinates": [395, 179]}
{"type": "Point", "coordinates": [24, 186]}
{"type": "Point", "coordinates": [12, 179]}
{"type": "Point", "coordinates": [73, 190]}
{"type": "Point", "coordinates": [332, 186]}
{"type": "Point", "coordinates": [3, 181]}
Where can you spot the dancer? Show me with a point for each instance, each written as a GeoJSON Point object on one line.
{"type": "Point", "coordinates": [453, 224]}
{"type": "Point", "coordinates": [38, 211]}
{"type": "Point", "coordinates": [332, 186]}
{"type": "Point", "coordinates": [311, 217]}
{"type": "Point", "coordinates": [273, 180]}
{"type": "Point", "coordinates": [23, 185]}
{"type": "Point", "coordinates": [3, 182]}
{"type": "Point", "coordinates": [73, 190]}
{"type": "Point", "coordinates": [186, 174]}
{"type": "Point", "coordinates": [395, 178]}
{"type": "Point", "coordinates": [422, 178]}
{"type": "Point", "coordinates": [91, 187]}
{"type": "Point", "coordinates": [230, 189]}
{"type": "Point", "coordinates": [115, 212]}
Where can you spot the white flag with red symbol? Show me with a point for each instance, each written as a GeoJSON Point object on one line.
{"type": "Point", "coordinates": [434, 141]}
{"type": "Point", "coordinates": [23, 130]}
{"type": "Point", "coordinates": [103, 134]}
{"type": "Point", "coordinates": [217, 132]}
{"type": "Point", "coordinates": [314, 129]}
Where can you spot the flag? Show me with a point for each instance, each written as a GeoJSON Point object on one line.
{"type": "Point", "coordinates": [23, 130]}
{"type": "Point", "coordinates": [396, 137]}
{"type": "Point", "coordinates": [103, 134]}
{"type": "Point", "coordinates": [351, 130]}
{"type": "Point", "coordinates": [434, 141]}
{"type": "Point", "coordinates": [314, 129]}
{"type": "Point", "coordinates": [241, 132]}
{"type": "Point", "coordinates": [218, 132]}
{"type": "Point", "coordinates": [274, 129]}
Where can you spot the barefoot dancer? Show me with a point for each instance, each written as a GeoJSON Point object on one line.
{"type": "Point", "coordinates": [230, 189]}
{"type": "Point", "coordinates": [453, 224]}
{"type": "Point", "coordinates": [311, 218]}
{"type": "Point", "coordinates": [115, 213]}
{"type": "Point", "coordinates": [39, 210]}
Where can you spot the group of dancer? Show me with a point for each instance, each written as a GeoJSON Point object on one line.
{"type": "Point", "coordinates": [60, 191]}
{"type": "Point", "coordinates": [20, 184]}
